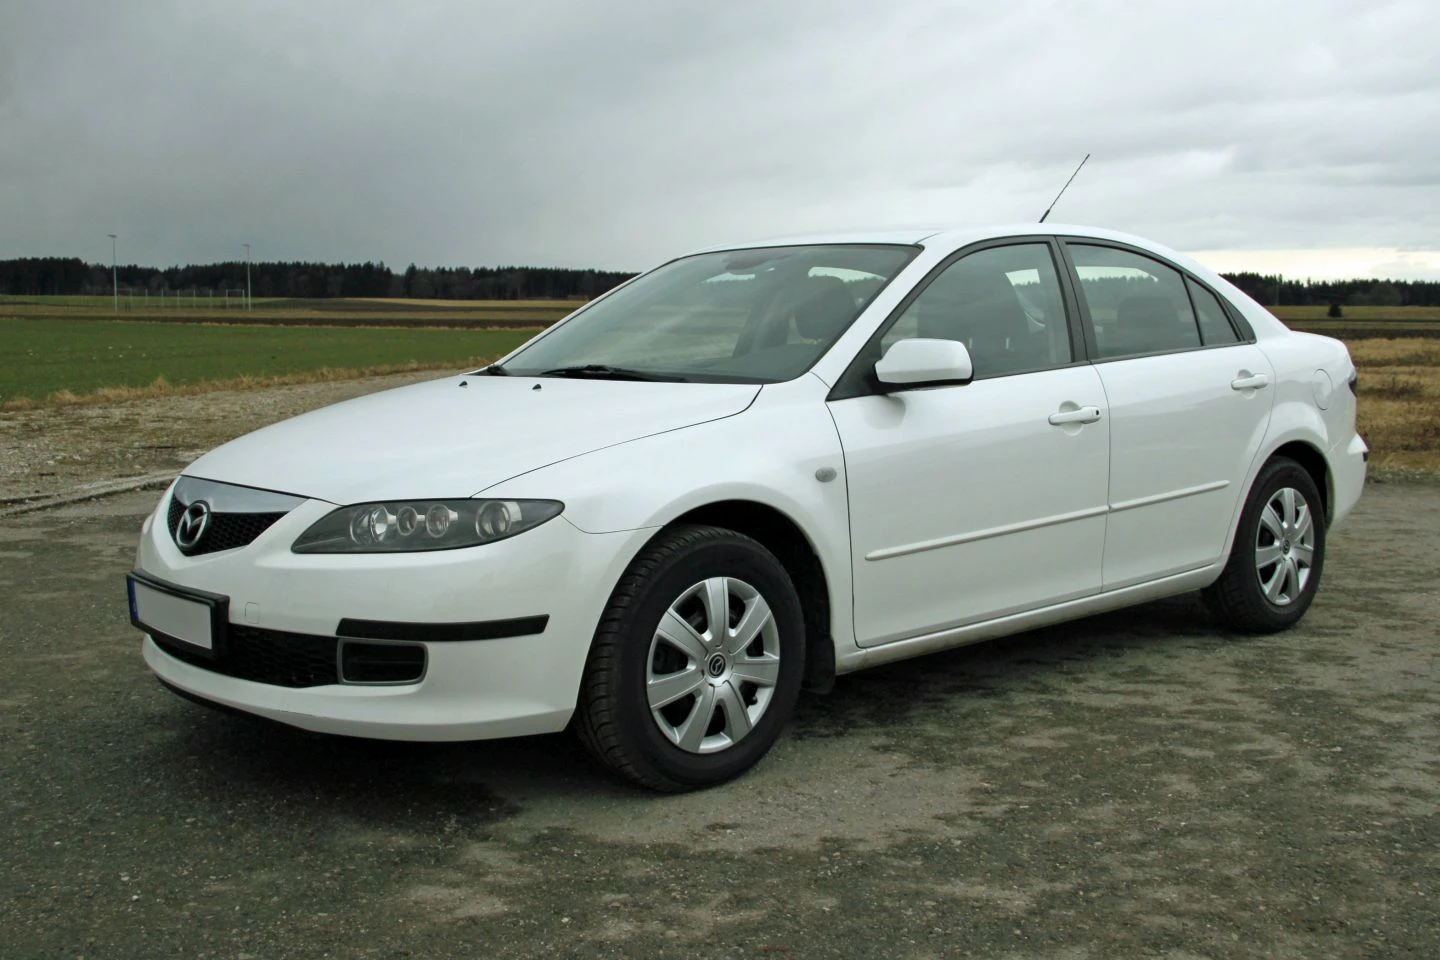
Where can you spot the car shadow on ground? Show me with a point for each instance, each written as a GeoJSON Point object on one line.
{"type": "Point", "coordinates": [892, 694]}
{"type": "Point", "coordinates": [247, 760]}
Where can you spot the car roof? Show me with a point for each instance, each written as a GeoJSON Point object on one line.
{"type": "Point", "coordinates": [909, 236]}
{"type": "Point", "coordinates": [941, 236]}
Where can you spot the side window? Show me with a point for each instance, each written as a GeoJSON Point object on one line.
{"type": "Point", "coordinates": [1003, 303]}
{"type": "Point", "coordinates": [1215, 327]}
{"type": "Point", "coordinates": [1137, 305]}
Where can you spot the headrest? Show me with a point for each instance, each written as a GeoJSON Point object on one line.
{"type": "Point", "coordinates": [1146, 310]}
{"type": "Point", "coordinates": [825, 310]}
{"type": "Point", "coordinates": [968, 302]}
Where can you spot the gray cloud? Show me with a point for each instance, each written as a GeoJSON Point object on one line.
{"type": "Point", "coordinates": [569, 132]}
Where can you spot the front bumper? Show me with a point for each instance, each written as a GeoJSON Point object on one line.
{"type": "Point", "coordinates": [471, 688]}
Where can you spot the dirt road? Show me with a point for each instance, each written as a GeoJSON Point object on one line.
{"type": "Point", "coordinates": [1138, 784]}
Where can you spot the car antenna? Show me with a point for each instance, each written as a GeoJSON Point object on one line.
{"type": "Point", "coordinates": [1063, 189]}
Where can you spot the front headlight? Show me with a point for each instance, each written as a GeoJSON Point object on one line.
{"type": "Point", "coordinates": [402, 526]}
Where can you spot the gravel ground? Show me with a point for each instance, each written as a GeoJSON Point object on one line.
{"type": "Point", "coordinates": [1140, 784]}
{"type": "Point", "coordinates": [64, 450]}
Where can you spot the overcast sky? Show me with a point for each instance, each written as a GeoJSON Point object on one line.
{"type": "Point", "coordinates": [1301, 135]}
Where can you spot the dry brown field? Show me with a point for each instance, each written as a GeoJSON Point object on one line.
{"type": "Point", "coordinates": [1400, 402]}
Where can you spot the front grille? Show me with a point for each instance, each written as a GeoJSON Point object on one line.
{"type": "Point", "coordinates": [268, 656]}
{"type": "Point", "coordinates": [226, 531]}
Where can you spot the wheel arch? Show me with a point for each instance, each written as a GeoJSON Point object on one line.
{"type": "Point", "coordinates": [1313, 460]}
{"type": "Point", "coordinates": [1299, 444]}
{"type": "Point", "coordinates": [785, 538]}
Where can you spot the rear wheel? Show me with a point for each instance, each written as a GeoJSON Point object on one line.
{"type": "Point", "coordinates": [1278, 554]}
{"type": "Point", "coordinates": [697, 662]}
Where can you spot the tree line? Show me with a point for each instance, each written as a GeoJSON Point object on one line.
{"type": "Point", "coordinates": [1273, 290]}
{"type": "Point", "coordinates": [37, 276]}
{"type": "Point", "coordinates": [54, 276]}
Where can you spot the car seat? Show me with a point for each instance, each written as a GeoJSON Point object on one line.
{"type": "Point", "coordinates": [1150, 323]}
{"type": "Point", "coordinates": [982, 311]}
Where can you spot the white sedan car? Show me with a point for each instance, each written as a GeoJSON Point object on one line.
{"type": "Point", "coordinates": [750, 470]}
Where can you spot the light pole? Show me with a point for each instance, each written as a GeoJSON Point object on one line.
{"type": "Point", "coordinates": [114, 282]}
{"type": "Point", "coordinates": [248, 305]}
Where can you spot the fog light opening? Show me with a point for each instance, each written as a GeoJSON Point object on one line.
{"type": "Point", "coordinates": [369, 663]}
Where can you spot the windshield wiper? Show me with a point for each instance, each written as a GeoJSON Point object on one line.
{"type": "Point", "coordinates": [494, 370]}
{"type": "Point", "coordinates": [602, 371]}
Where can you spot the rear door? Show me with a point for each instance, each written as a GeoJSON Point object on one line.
{"type": "Point", "coordinates": [1189, 403]}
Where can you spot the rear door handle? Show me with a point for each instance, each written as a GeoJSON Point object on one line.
{"type": "Point", "coordinates": [1075, 415]}
{"type": "Point", "coordinates": [1246, 381]}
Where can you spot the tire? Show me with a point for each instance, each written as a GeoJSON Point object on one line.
{"type": "Point", "coordinates": [664, 702]}
{"type": "Point", "coordinates": [1278, 554]}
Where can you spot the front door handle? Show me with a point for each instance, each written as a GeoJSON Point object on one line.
{"type": "Point", "coordinates": [1247, 381]}
{"type": "Point", "coordinates": [1075, 415]}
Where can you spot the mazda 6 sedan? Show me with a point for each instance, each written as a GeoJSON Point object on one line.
{"type": "Point", "coordinates": [746, 472]}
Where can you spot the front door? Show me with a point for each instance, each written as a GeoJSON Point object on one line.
{"type": "Point", "coordinates": [973, 501]}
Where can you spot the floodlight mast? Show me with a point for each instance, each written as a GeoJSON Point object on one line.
{"type": "Point", "coordinates": [114, 277]}
{"type": "Point", "coordinates": [248, 304]}
{"type": "Point", "coordinates": [1063, 189]}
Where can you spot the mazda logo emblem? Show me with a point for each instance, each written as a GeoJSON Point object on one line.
{"type": "Point", "coordinates": [192, 526]}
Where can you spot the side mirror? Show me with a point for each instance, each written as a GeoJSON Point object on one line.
{"type": "Point", "coordinates": [925, 363]}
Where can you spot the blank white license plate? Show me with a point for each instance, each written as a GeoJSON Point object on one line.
{"type": "Point", "coordinates": [177, 617]}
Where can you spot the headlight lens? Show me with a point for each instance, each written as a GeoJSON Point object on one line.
{"type": "Point", "coordinates": [408, 525]}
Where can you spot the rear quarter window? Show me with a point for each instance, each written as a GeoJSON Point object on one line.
{"type": "Point", "coordinates": [1215, 328]}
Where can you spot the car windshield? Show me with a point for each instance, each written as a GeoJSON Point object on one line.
{"type": "Point", "coordinates": [741, 316]}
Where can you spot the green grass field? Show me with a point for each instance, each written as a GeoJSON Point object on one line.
{"type": "Point", "coordinates": [340, 311]}
{"type": "Point", "coordinates": [46, 355]}
{"type": "Point", "coordinates": [1361, 314]}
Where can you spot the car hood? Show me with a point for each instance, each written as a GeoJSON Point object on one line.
{"type": "Point", "coordinates": [455, 437]}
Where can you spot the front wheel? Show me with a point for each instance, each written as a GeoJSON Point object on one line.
{"type": "Point", "coordinates": [1278, 553]}
{"type": "Point", "coordinates": [697, 662]}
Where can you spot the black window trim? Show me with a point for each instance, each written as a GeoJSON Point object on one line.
{"type": "Point", "coordinates": [1087, 328]}
{"type": "Point", "coordinates": [858, 379]}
